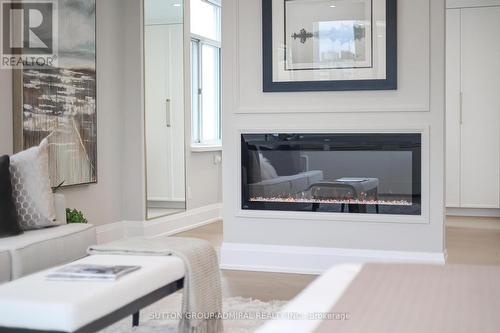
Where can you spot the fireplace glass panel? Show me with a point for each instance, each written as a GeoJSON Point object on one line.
{"type": "Point", "coordinates": [367, 173]}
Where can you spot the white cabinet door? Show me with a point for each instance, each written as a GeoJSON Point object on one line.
{"type": "Point", "coordinates": [453, 108]}
{"type": "Point", "coordinates": [480, 131]}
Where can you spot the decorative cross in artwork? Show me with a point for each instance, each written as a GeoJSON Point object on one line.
{"type": "Point", "coordinates": [303, 35]}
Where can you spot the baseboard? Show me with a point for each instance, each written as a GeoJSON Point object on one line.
{"type": "Point", "coordinates": [487, 223]}
{"type": "Point", "coordinates": [166, 204]}
{"type": "Point", "coordinates": [473, 212]}
{"type": "Point", "coordinates": [310, 260]}
{"type": "Point", "coordinates": [168, 225]}
{"type": "Point", "coordinates": [187, 220]}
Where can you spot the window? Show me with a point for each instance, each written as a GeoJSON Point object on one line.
{"type": "Point", "coordinates": [206, 71]}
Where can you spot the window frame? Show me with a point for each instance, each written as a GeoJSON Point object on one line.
{"type": "Point", "coordinates": [196, 45]}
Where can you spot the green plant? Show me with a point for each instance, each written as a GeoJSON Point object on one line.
{"type": "Point", "coordinates": [75, 216]}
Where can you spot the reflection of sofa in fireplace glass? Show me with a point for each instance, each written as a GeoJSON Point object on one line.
{"type": "Point", "coordinates": [275, 180]}
{"type": "Point", "coordinates": [351, 193]}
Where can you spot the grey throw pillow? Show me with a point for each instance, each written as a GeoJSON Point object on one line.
{"type": "Point", "coordinates": [31, 188]}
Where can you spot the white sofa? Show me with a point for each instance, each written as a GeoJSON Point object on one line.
{"type": "Point", "coordinates": [36, 250]}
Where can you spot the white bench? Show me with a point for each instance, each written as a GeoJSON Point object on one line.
{"type": "Point", "coordinates": [35, 304]}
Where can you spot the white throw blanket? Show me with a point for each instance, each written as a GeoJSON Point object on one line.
{"type": "Point", "coordinates": [202, 286]}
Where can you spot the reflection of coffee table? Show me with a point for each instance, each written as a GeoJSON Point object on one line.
{"type": "Point", "coordinates": [348, 192]}
{"type": "Point", "coordinates": [33, 304]}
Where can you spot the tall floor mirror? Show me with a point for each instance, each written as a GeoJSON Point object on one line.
{"type": "Point", "coordinates": [164, 107]}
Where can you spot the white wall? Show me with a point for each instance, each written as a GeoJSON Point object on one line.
{"type": "Point", "coordinates": [119, 193]}
{"type": "Point", "coordinates": [204, 180]}
{"type": "Point", "coordinates": [132, 114]}
{"type": "Point", "coordinates": [6, 137]}
{"type": "Point", "coordinates": [417, 104]}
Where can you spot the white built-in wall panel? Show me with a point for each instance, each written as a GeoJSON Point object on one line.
{"type": "Point", "coordinates": [413, 92]}
{"type": "Point", "coordinates": [473, 107]}
{"type": "Point", "coordinates": [480, 168]}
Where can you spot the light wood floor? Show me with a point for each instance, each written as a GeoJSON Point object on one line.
{"type": "Point", "coordinates": [473, 246]}
{"type": "Point", "coordinates": [464, 246]}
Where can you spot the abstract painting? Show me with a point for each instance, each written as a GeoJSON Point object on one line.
{"type": "Point", "coordinates": [60, 102]}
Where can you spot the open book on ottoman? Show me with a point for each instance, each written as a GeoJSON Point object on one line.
{"type": "Point", "coordinates": [91, 272]}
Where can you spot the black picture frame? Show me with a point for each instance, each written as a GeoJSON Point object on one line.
{"type": "Point", "coordinates": [389, 83]}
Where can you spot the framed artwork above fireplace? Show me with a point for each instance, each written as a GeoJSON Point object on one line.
{"type": "Point", "coordinates": [321, 45]}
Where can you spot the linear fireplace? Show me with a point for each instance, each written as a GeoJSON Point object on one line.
{"type": "Point", "coordinates": [364, 173]}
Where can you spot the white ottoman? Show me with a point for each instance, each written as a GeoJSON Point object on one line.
{"type": "Point", "coordinates": [34, 304]}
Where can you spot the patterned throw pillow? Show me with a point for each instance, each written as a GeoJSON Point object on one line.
{"type": "Point", "coordinates": [31, 190]}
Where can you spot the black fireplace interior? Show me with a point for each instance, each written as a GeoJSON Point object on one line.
{"type": "Point", "coordinates": [363, 173]}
